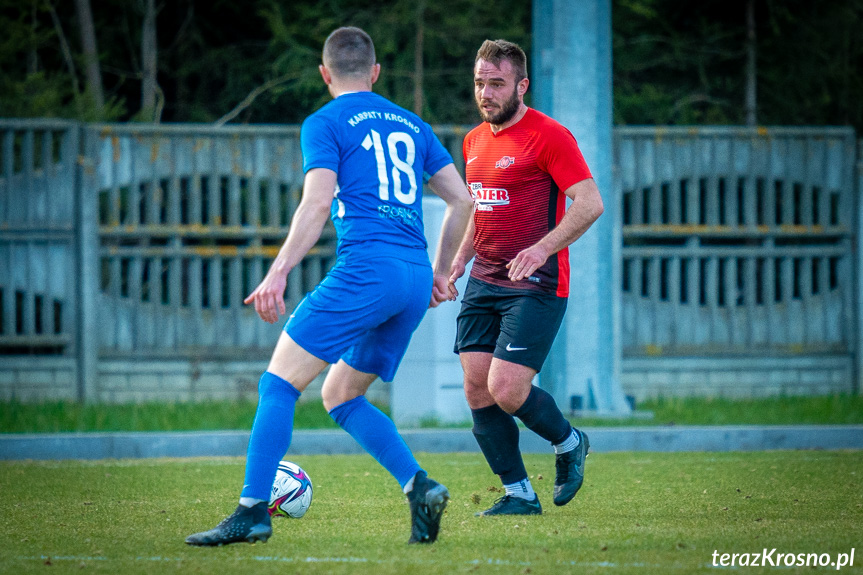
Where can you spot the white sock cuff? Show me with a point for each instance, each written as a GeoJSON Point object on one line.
{"type": "Point", "coordinates": [249, 501]}
{"type": "Point", "coordinates": [568, 444]}
{"type": "Point", "coordinates": [522, 489]}
{"type": "Point", "coordinates": [409, 486]}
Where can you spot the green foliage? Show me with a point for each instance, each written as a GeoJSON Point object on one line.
{"type": "Point", "coordinates": [213, 55]}
{"type": "Point", "coordinates": [675, 62]}
{"type": "Point", "coordinates": [637, 513]}
{"type": "Point", "coordinates": [27, 88]}
{"type": "Point", "coordinates": [811, 60]}
{"type": "Point", "coordinates": [299, 30]}
{"type": "Point", "coordinates": [828, 409]}
{"type": "Point", "coordinates": [36, 96]}
{"type": "Point", "coordinates": [60, 416]}
{"type": "Point", "coordinates": [678, 62]}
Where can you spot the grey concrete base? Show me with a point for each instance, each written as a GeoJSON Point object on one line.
{"type": "Point", "coordinates": [233, 443]}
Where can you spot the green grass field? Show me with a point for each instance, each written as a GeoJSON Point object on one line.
{"type": "Point", "coordinates": [637, 513]}
{"type": "Point", "coordinates": [58, 416]}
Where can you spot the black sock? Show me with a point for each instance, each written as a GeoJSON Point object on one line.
{"type": "Point", "coordinates": [496, 432]}
{"type": "Point", "coordinates": [540, 414]}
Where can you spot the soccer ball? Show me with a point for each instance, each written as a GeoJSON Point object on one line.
{"type": "Point", "coordinates": [292, 491]}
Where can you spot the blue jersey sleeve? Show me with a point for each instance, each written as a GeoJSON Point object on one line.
{"type": "Point", "coordinates": [437, 156]}
{"type": "Point", "coordinates": [318, 143]}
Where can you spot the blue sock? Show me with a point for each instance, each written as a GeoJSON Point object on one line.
{"type": "Point", "coordinates": [377, 434]}
{"type": "Point", "coordinates": [271, 434]}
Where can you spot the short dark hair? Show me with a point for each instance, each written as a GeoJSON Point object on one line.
{"type": "Point", "coordinates": [496, 51]}
{"type": "Point", "coordinates": [349, 51]}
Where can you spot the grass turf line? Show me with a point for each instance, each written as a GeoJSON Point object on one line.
{"type": "Point", "coordinates": [637, 513]}
{"type": "Point", "coordinates": [59, 416]}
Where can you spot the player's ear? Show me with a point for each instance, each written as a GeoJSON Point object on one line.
{"type": "Point", "coordinates": [376, 71]}
{"type": "Point", "coordinates": [522, 86]}
{"type": "Point", "coordinates": [325, 74]}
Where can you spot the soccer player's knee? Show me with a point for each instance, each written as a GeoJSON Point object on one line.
{"type": "Point", "coordinates": [473, 387]}
{"type": "Point", "coordinates": [334, 395]}
{"type": "Point", "coordinates": [329, 400]}
{"type": "Point", "coordinates": [476, 394]}
{"type": "Point", "coordinates": [506, 395]}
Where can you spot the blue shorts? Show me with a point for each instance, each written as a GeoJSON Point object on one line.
{"type": "Point", "coordinates": [364, 312]}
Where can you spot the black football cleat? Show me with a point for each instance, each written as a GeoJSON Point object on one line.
{"type": "Point", "coordinates": [570, 470]}
{"type": "Point", "coordinates": [510, 505]}
{"type": "Point", "coordinates": [427, 500]}
{"type": "Point", "coordinates": [248, 524]}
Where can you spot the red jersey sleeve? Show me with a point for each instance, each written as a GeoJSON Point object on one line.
{"type": "Point", "coordinates": [562, 159]}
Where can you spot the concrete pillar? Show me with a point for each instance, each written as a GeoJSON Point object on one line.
{"type": "Point", "coordinates": [87, 267]}
{"type": "Point", "coordinates": [571, 82]}
{"type": "Point", "coordinates": [858, 335]}
{"type": "Point", "coordinates": [428, 384]}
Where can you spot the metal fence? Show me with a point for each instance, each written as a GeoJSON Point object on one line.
{"type": "Point", "coordinates": [737, 241]}
{"type": "Point", "coordinates": [131, 241]}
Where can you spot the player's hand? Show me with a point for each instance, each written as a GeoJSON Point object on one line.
{"type": "Point", "coordinates": [526, 262]}
{"type": "Point", "coordinates": [456, 271]}
{"type": "Point", "coordinates": [269, 297]}
{"type": "Point", "coordinates": [440, 290]}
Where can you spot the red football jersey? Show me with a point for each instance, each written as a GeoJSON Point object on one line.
{"type": "Point", "coordinates": [517, 178]}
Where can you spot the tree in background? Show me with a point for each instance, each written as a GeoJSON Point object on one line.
{"type": "Point", "coordinates": [751, 90]}
{"type": "Point", "coordinates": [241, 62]}
{"type": "Point", "coordinates": [30, 82]}
{"type": "Point", "coordinates": [675, 61]}
{"type": "Point", "coordinates": [811, 63]}
{"type": "Point", "coordinates": [91, 55]}
{"type": "Point", "coordinates": [426, 49]}
{"type": "Point", "coordinates": [149, 59]}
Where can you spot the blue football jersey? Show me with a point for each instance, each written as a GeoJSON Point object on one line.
{"type": "Point", "coordinates": [381, 154]}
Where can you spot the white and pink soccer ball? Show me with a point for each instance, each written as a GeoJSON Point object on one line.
{"type": "Point", "coordinates": [292, 491]}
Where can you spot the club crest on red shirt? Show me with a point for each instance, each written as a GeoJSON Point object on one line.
{"type": "Point", "coordinates": [505, 162]}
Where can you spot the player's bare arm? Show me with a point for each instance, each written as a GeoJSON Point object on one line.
{"type": "Point", "coordinates": [450, 187]}
{"type": "Point", "coordinates": [466, 252]}
{"type": "Point", "coordinates": [306, 227]}
{"type": "Point", "coordinates": [585, 208]}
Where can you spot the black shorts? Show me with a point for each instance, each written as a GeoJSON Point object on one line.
{"type": "Point", "coordinates": [516, 325]}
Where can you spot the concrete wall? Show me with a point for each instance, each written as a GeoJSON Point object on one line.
{"type": "Point", "coordinates": [52, 378]}
{"type": "Point", "coordinates": [131, 381]}
{"type": "Point", "coordinates": [428, 383]}
{"type": "Point", "coordinates": [737, 377]}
